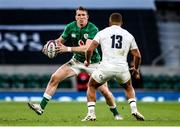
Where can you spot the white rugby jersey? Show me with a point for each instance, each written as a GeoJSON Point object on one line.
{"type": "Point", "coordinates": [115, 44]}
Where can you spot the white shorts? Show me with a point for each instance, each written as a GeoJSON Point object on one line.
{"type": "Point", "coordinates": [78, 67]}
{"type": "Point", "coordinates": [106, 72]}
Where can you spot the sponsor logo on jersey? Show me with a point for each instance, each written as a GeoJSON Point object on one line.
{"type": "Point", "coordinates": [80, 42]}
{"type": "Point", "coordinates": [85, 36]}
{"type": "Point", "coordinates": [73, 35]}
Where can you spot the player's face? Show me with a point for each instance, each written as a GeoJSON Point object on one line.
{"type": "Point", "coordinates": [81, 18]}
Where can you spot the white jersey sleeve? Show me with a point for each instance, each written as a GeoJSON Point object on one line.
{"type": "Point", "coordinates": [133, 44]}
{"type": "Point", "coordinates": [97, 37]}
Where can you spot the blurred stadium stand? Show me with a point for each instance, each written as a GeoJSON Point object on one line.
{"type": "Point", "coordinates": [26, 25]}
{"type": "Point", "coordinates": [168, 20]}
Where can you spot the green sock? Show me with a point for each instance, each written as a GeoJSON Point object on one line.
{"type": "Point", "coordinates": [114, 111]}
{"type": "Point", "coordinates": [44, 102]}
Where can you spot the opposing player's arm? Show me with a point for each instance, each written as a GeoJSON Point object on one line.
{"type": "Point", "coordinates": [136, 57]}
{"type": "Point", "coordinates": [136, 62]}
{"type": "Point", "coordinates": [89, 51]}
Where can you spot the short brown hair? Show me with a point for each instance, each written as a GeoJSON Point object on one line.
{"type": "Point", "coordinates": [82, 9]}
{"type": "Point", "coordinates": [116, 18]}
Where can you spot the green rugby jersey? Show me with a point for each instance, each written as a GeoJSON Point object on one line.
{"type": "Point", "coordinates": [78, 36]}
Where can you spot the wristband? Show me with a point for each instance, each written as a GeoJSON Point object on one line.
{"type": "Point", "coordinates": [69, 49]}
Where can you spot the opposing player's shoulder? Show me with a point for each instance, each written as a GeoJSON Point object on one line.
{"type": "Point", "coordinates": [104, 31]}
{"type": "Point", "coordinates": [128, 34]}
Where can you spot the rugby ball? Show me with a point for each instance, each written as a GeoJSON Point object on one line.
{"type": "Point", "coordinates": [51, 49]}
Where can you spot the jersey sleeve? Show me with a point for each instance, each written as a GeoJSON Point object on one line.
{"type": "Point", "coordinates": [66, 32]}
{"type": "Point", "coordinates": [97, 37]}
{"type": "Point", "coordinates": [133, 44]}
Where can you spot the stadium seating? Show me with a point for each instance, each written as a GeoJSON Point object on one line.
{"type": "Point", "coordinates": [164, 82]}
{"type": "Point", "coordinates": [65, 84]}
{"type": "Point", "coordinates": [149, 82]}
{"type": "Point", "coordinates": [113, 84]}
{"type": "Point", "coordinates": [4, 81]}
{"type": "Point", "coordinates": [176, 82]}
{"type": "Point", "coordinates": [44, 79]}
{"type": "Point", "coordinates": [34, 81]}
{"type": "Point", "coordinates": [17, 81]}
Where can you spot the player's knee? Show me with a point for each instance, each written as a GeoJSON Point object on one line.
{"type": "Point", "coordinates": [54, 79]}
{"type": "Point", "coordinates": [105, 91]}
{"type": "Point", "coordinates": [129, 86]}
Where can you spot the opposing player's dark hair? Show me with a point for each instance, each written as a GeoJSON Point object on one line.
{"type": "Point", "coordinates": [116, 17]}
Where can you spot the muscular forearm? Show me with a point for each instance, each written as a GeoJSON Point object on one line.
{"type": "Point", "coordinates": [136, 58]}
{"type": "Point", "coordinates": [137, 61]}
{"type": "Point", "coordinates": [62, 48]}
{"type": "Point", "coordinates": [89, 55]}
{"type": "Point", "coordinates": [81, 49]}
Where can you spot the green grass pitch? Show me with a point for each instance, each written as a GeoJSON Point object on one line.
{"type": "Point", "coordinates": [70, 114]}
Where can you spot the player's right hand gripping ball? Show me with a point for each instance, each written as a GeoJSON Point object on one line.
{"type": "Point", "coordinates": [51, 49]}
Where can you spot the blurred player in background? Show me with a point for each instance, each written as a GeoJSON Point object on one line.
{"type": "Point", "coordinates": [116, 43]}
{"type": "Point", "coordinates": [77, 32]}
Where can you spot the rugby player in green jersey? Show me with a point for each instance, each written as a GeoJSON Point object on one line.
{"type": "Point", "coordinates": [79, 33]}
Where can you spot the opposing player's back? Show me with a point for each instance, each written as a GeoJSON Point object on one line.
{"type": "Point", "coordinates": [115, 43]}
